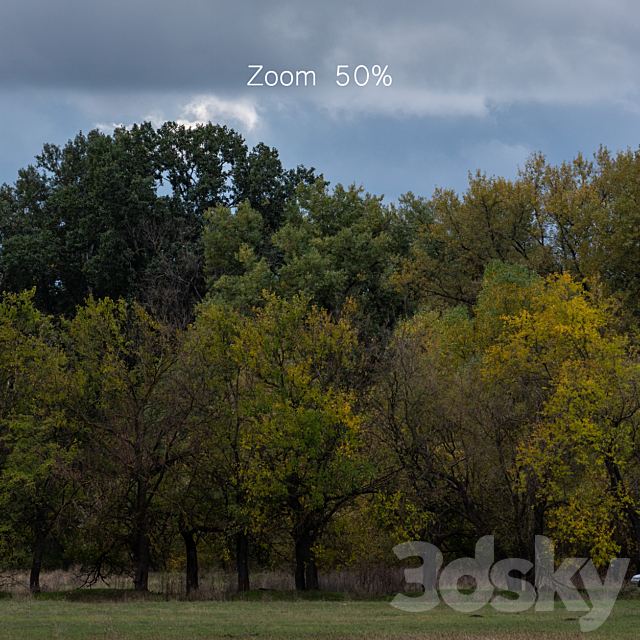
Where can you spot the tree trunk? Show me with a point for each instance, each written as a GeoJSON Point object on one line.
{"type": "Point", "coordinates": [141, 579]}
{"type": "Point", "coordinates": [142, 542]}
{"type": "Point", "coordinates": [192, 559]}
{"type": "Point", "coordinates": [36, 562]}
{"type": "Point", "coordinates": [306, 575]}
{"type": "Point", "coordinates": [312, 574]}
{"type": "Point", "coordinates": [539, 510]}
{"type": "Point", "coordinates": [300, 565]}
{"type": "Point", "coordinates": [635, 523]}
{"type": "Point", "coordinates": [242, 560]}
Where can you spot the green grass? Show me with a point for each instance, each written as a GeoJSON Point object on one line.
{"type": "Point", "coordinates": [257, 595]}
{"type": "Point", "coordinates": [335, 618]}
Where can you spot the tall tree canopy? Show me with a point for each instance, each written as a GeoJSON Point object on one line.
{"type": "Point", "coordinates": [580, 217]}
{"type": "Point", "coordinates": [122, 215]}
{"type": "Point", "coordinates": [331, 246]}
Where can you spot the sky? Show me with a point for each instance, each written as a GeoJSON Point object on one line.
{"type": "Point", "coordinates": [471, 85]}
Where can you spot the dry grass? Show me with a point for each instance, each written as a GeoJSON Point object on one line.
{"type": "Point", "coordinates": [218, 585]}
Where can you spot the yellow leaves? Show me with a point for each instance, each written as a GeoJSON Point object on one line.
{"type": "Point", "coordinates": [562, 352]}
{"type": "Point", "coordinates": [559, 384]}
{"type": "Point", "coordinates": [586, 523]}
{"type": "Point", "coordinates": [561, 327]}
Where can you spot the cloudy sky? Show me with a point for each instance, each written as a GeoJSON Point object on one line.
{"type": "Point", "coordinates": [475, 85]}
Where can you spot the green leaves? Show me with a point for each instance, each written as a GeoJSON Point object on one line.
{"type": "Point", "coordinates": [330, 248]}
{"type": "Point", "coordinates": [122, 215]}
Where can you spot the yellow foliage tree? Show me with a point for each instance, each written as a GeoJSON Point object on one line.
{"type": "Point", "coordinates": [580, 445]}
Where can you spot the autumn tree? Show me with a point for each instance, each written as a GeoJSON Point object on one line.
{"type": "Point", "coordinates": [127, 396]}
{"type": "Point", "coordinates": [495, 219]}
{"type": "Point", "coordinates": [581, 445]}
{"type": "Point", "coordinates": [578, 217]}
{"type": "Point", "coordinates": [453, 442]}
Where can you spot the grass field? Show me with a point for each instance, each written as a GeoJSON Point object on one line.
{"type": "Point", "coordinates": [27, 618]}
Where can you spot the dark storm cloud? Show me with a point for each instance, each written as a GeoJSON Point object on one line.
{"type": "Point", "coordinates": [121, 44]}
{"type": "Point", "coordinates": [446, 57]}
{"type": "Point", "coordinates": [141, 44]}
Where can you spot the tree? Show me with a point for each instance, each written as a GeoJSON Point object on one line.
{"type": "Point", "coordinates": [214, 498]}
{"type": "Point", "coordinates": [496, 219]}
{"type": "Point", "coordinates": [127, 395]}
{"type": "Point", "coordinates": [91, 218]}
{"type": "Point", "coordinates": [458, 429]}
{"type": "Point", "coordinates": [579, 218]}
{"type": "Point", "coordinates": [41, 448]}
{"type": "Point", "coordinates": [331, 247]}
{"type": "Point", "coordinates": [310, 460]}
{"type": "Point", "coordinates": [581, 446]}
{"type": "Point", "coordinates": [451, 440]}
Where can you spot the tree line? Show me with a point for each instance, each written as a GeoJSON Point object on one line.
{"type": "Point", "coordinates": [204, 352]}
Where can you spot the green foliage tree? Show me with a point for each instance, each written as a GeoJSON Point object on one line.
{"type": "Point", "coordinates": [331, 247]}
{"type": "Point", "coordinates": [91, 218]}
{"type": "Point", "coordinates": [41, 448]}
{"type": "Point", "coordinates": [310, 460]}
{"type": "Point", "coordinates": [215, 492]}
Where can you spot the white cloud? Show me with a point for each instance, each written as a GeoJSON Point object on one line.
{"type": "Point", "coordinates": [205, 108]}
{"type": "Point", "coordinates": [108, 128]}
{"type": "Point", "coordinates": [188, 110]}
